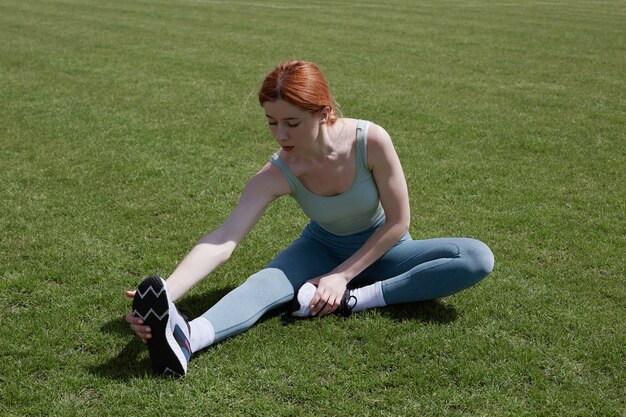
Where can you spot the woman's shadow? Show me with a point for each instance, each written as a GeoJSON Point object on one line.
{"type": "Point", "coordinates": [133, 362]}
{"type": "Point", "coordinates": [431, 311]}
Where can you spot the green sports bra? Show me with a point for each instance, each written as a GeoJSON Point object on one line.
{"type": "Point", "coordinates": [353, 211]}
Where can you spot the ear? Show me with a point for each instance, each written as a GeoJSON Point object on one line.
{"type": "Point", "coordinates": [324, 114]}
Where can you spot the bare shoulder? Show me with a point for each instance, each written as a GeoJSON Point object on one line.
{"type": "Point", "coordinates": [374, 131]}
{"type": "Point", "coordinates": [268, 182]}
{"type": "Point", "coordinates": [377, 135]}
{"type": "Point", "coordinates": [260, 190]}
{"type": "Point", "coordinates": [380, 147]}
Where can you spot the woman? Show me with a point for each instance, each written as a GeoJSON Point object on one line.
{"type": "Point", "coordinates": [354, 254]}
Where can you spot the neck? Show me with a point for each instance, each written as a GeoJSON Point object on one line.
{"type": "Point", "coordinates": [323, 146]}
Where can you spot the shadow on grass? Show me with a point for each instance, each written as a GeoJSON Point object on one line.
{"type": "Point", "coordinates": [128, 364]}
{"type": "Point", "coordinates": [432, 311]}
{"type": "Point", "coordinates": [133, 362]}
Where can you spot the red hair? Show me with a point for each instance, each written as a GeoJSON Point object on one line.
{"type": "Point", "coordinates": [299, 83]}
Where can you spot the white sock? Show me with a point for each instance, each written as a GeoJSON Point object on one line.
{"type": "Point", "coordinates": [202, 334]}
{"type": "Point", "coordinates": [370, 296]}
{"type": "Point", "coordinates": [305, 295]}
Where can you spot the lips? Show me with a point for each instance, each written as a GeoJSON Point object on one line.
{"type": "Point", "coordinates": [287, 148]}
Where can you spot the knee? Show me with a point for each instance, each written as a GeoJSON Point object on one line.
{"type": "Point", "coordinates": [480, 258]}
{"type": "Point", "coordinates": [271, 280]}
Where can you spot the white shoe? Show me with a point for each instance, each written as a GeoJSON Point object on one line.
{"type": "Point", "coordinates": [302, 302]}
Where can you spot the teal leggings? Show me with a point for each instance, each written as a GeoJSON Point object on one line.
{"type": "Point", "coordinates": [413, 270]}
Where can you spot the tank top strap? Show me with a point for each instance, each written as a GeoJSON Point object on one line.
{"type": "Point", "coordinates": [289, 175]}
{"type": "Point", "coordinates": [361, 144]}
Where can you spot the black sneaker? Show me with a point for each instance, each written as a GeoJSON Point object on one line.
{"type": "Point", "coordinates": [348, 302]}
{"type": "Point", "coordinates": [169, 346]}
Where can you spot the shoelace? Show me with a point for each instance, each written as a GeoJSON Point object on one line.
{"type": "Point", "coordinates": [345, 309]}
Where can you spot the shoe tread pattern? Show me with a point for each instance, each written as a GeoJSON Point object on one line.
{"type": "Point", "coordinates": [150, 303]}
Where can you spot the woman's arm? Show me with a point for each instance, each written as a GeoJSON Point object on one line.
{"type": "Point", "coordinates": [392, 189]}
{"type": "Point", "coordinates": [214, 249]}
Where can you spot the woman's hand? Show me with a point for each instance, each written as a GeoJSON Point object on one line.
{"type": "Point", "coordinates": [136, 324]}
{"type": "Point", "coordinates": [330, 290]}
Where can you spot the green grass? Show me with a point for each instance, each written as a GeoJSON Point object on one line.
{"type": "Point", "coordinates": [127, 130]}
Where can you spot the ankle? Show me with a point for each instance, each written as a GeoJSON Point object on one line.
{"type": "Point", "coordinates": [202, 334]}
{"type": "Point", "coordinates": [370, 296]}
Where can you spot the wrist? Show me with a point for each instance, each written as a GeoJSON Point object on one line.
{"type": "Point", "coordinates": [343, 276]}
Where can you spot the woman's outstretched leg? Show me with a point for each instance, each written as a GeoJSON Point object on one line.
{"type": "Point", "coordinates": [269, 288]}
{"type": "Point", "coordinates": [173, 339]}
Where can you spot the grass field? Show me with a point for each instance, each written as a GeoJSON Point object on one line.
{"type": "Point", "coordinates": [127, 130]}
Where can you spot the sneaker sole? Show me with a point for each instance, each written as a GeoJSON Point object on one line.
{"type": "Point", "coordinates": [151, 303]}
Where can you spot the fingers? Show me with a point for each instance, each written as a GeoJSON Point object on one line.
{"type": "Point", "coordinates": [136, 323]}
{"type": "Point", "coordinates": [324, 303]}
{"type": "Point", "coordinates": [133, 319]}
{"type": "Point", "coordinates": [316, 303]}
{"type": "Point", "coordinates": [327, 298]}
{"type": "Point", "coordinates": [329, 307]}
{"type": "Point", "coordinates": [137, 326]}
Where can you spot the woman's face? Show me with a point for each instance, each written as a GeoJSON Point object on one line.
{"type": "Point", "coordinates": [294, 129]}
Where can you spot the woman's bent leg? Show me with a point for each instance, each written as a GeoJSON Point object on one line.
{"type": "Point", "coordinates": [417, 270]}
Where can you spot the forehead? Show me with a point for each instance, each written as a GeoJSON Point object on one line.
{"type": "Point", "coordinates": [280, 110]}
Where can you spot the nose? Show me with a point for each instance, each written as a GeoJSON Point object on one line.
{"type": "Point", "coordinates": [281, 134]}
